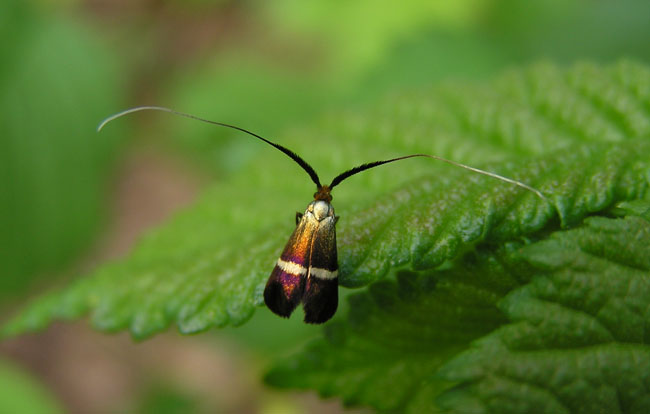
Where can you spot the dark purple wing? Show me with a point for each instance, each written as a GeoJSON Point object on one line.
{"type": "Point", "coordinates": [286, 285]}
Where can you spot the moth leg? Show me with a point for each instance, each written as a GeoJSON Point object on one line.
{"type": "Point", "coordinates": [298, 217]}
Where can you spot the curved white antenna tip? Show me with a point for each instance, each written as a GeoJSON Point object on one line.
{"type": "Point", "coordinates": [129, 111]}
{"type": "Point", "coordinates": [491, 174]}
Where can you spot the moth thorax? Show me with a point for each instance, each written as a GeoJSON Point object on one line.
{"type": "Point", "coordinates": [321, 209]}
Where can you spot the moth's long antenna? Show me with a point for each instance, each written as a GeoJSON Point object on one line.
{"type": "Point", "coordinates": [291, 154]}
{"type": "Point", "coordinates": [369, 165]}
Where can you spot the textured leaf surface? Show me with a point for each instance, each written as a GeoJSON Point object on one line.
{"type": "Point", "coordinates": [584, 146]}
{"type": "Point", "coordinates": [397, 335]}
{"type": "Point", "coordinates": [578, 337]}
{"type": "Point", "coordinates": [571, 336]}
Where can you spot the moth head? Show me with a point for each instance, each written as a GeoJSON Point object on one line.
{"type": "Point", "coordinates": [324, 193]}
{"type": "Point", "coordinates": [321, 209]}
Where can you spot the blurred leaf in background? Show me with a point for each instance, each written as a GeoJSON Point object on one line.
{"type": "Point", "coordinates": [19, 393]}
{"type": "Point", "coordinates": [56, 81]}
{"type": "Point", "coordinates": [164, 399]}
{"type": "Point", "coordinates": [296, 59]}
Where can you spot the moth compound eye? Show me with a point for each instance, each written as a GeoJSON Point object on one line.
{"type": "Point", "coordinates": [321, 210]}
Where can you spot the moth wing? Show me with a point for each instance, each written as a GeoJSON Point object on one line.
{"type": "Point", "coordinates": [321, 297]}
{"type": "Point", "coordinates": [286, 285]}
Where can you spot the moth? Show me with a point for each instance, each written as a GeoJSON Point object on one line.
{"type": "Point", "coordinates": [307, 270]}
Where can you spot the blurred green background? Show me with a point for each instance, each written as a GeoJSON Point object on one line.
{"type": "Point", "coordinates": [71, 199]}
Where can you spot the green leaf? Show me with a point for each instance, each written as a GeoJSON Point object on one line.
{"type": "Point", "coordinates": [396, 336]}
{"type": "Point", "coordinates": [19, 393]}
{"type": "Point", "coordinates": [569, 335]}
{"type": "Point", "coordinates": [577, 340]}
{"type": "Point", "coordinates": [585, 148]}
